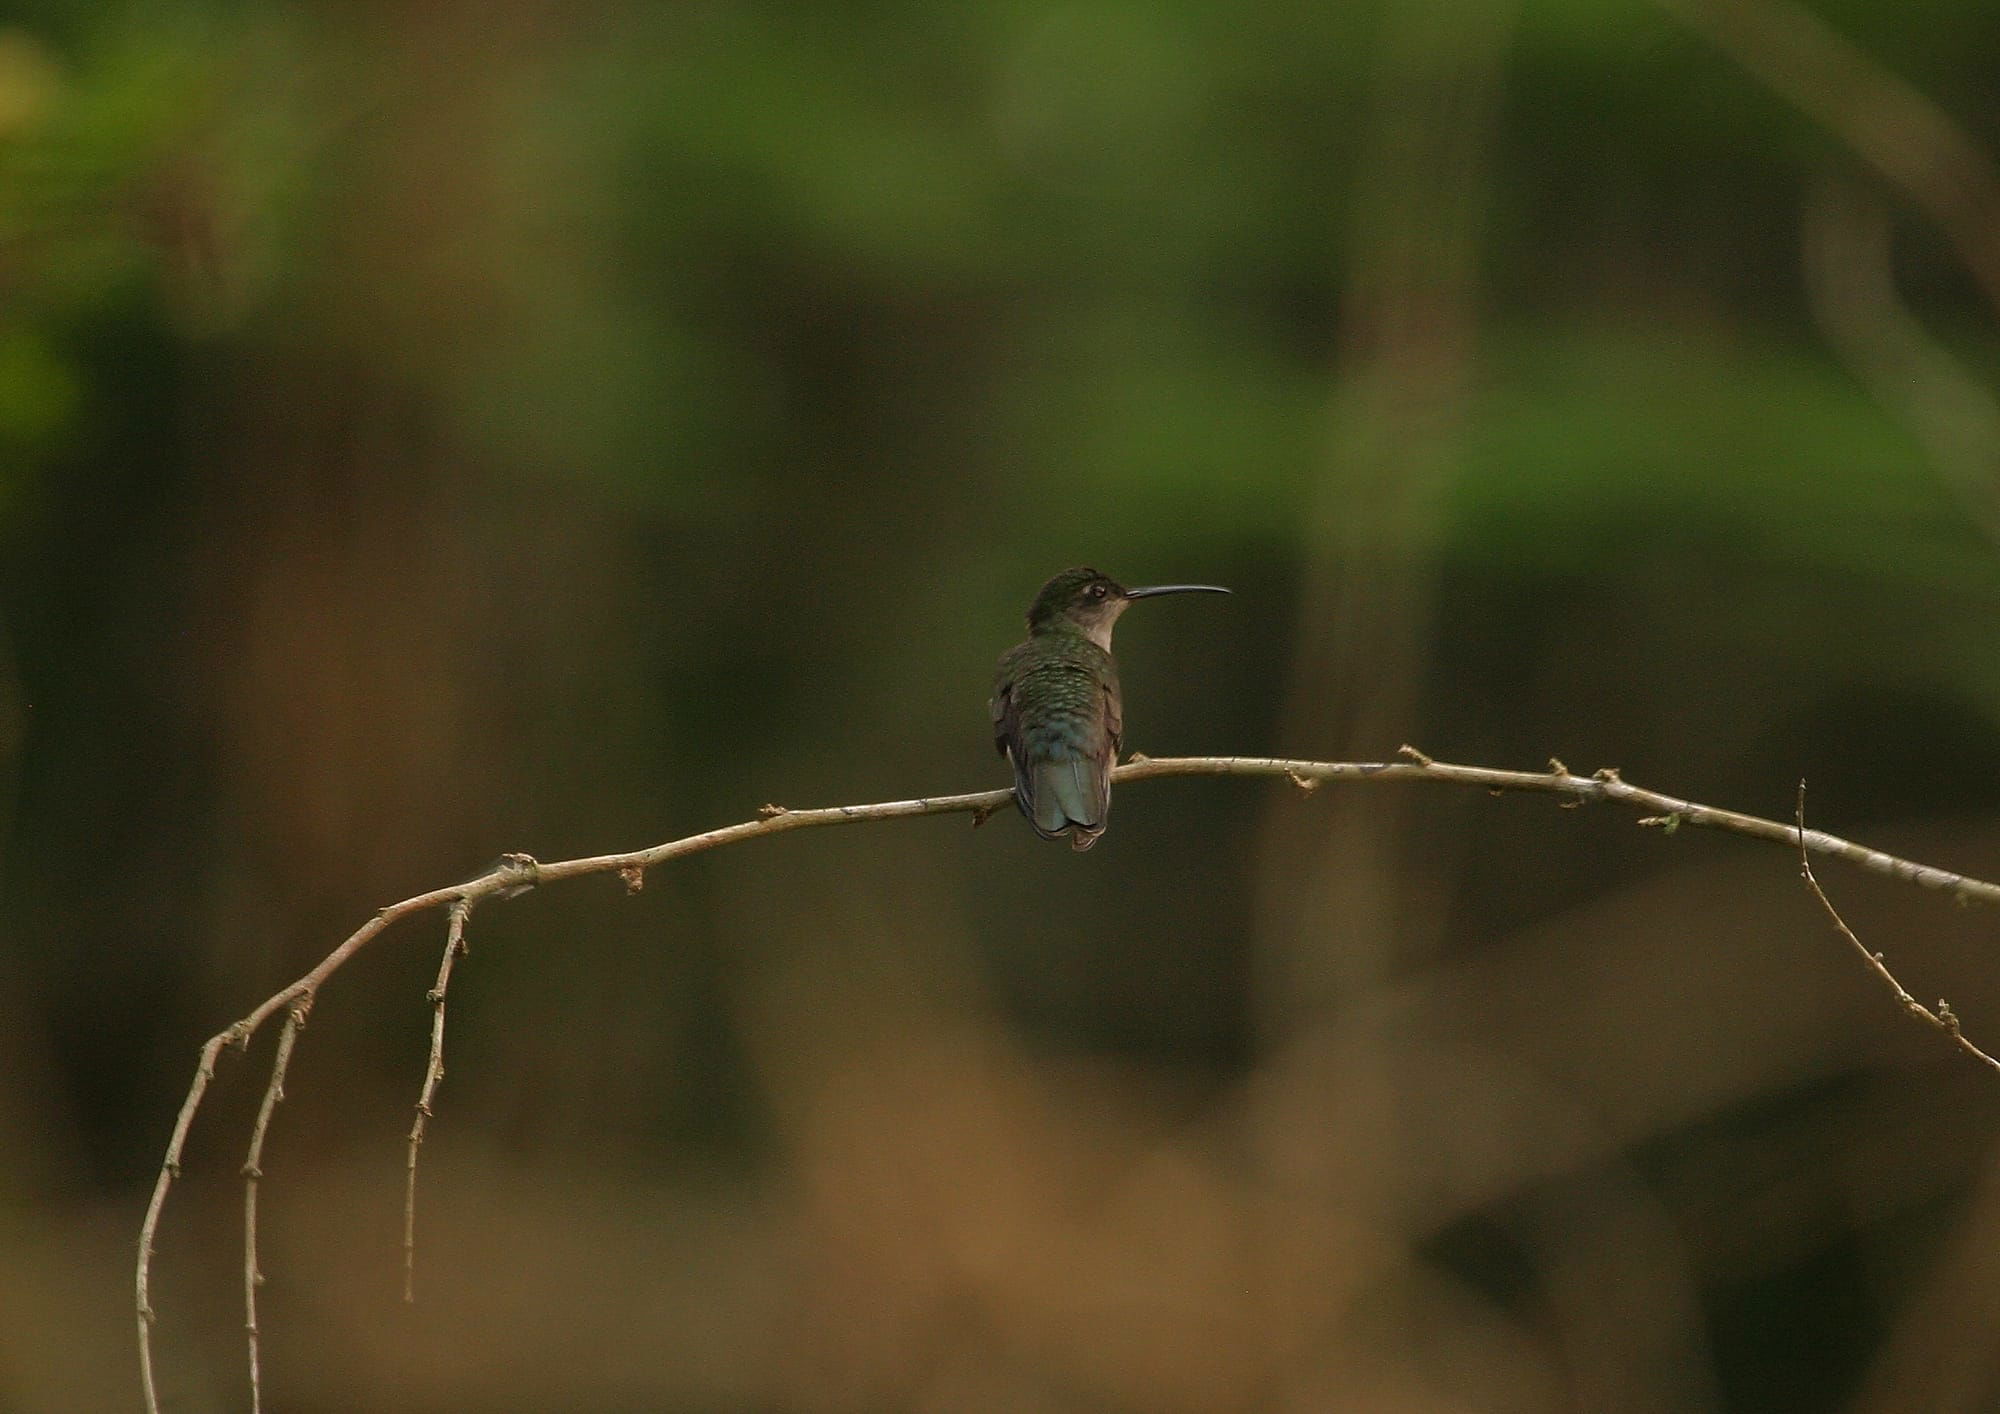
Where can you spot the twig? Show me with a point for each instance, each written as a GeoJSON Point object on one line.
{"type": "Point", "coordinates": [454, 948]}
{"type": "Point", "coordinates": [170, 1169]}
{"type": "Point", "coordinates": [514, 874]}
{"type": "Point", "coordinates": [253, 1170]}
{"type": "Point", "coordinates": [1943, 1018]}
{"type": "Point", "coordinates": [1605, 786]}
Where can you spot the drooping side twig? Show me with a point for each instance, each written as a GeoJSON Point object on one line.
{"type": "Point", "coordinates": [516, 873]}
{"type": "Point", "coordinates": [454, 948]}
{"type": "Point", "coordinates": [1943, 1019]}
{"type": "Point", "coordinates": [253, 1173]}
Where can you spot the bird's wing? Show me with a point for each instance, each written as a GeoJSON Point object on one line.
{"type": "Point", "coordinates": [1002, 708]}
{"type": "Point", "coordinates": [1007, 738]}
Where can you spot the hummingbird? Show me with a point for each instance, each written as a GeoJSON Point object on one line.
{"type": "Point", "coordinates": [1058, 716]}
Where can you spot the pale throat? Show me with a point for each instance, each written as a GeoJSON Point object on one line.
{"type": "Point", "coordinates": [1098, 631]}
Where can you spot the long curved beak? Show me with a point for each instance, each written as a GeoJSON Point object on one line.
{"type": "Point", "coordinates": [1150, 590]}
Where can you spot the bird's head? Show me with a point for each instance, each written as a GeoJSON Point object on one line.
{"type": "Point", "coordinates": [1088, 602]}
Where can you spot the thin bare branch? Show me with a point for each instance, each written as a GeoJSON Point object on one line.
{"type": "Point", "coordinates": [170, 1169]}
{"type": "Point", "coordinates": [1605, 786]}
{"type": "Point", "coordinates": [494, 882]}
{"type": "Point", "coordinates": [253, 1171]}
{"type": "Point", "coordinates": [1943, 1018]}
{"type": "Point", "coordinates": [454, 948]}
{"type": "Point", "coordinates": [514, 874]}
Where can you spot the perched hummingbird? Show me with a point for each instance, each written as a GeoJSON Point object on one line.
{"type": "Point", "coordinates": [1057, 714]}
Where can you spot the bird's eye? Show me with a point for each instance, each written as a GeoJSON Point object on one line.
{"type": "Point", "coordinates": [1097, 591]}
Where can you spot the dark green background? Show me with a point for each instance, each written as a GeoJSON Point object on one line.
{"type": "Point", "coordinates": [434, 429]}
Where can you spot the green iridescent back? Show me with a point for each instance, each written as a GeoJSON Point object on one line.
{"type": "Point", "coordinates": [1056, 717]}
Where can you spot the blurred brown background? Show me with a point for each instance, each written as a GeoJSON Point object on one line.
{"type": "Point", "coordinates": [428, 430]}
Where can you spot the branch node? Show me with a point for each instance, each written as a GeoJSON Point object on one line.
{"type": "Point", "coordinates": [1415, 755]}
{"type": "Point", "coordinates": [1556, 767]}
{"type": "Point", "coordinates": [1667, 823]}
{"type": "Point", "coordinates": [1137, 758]}
{"type": "Point", "coordinates": [1306, 783]}
{"type": "Point", "coordinates": [772, 812]}
{"type": "Point", "coordinates": [1609, 775]}
{"type": "Point", "coordinates": [525, 873]}
{"type": "Point", "coordinates": [981, 814]}
{"type": "Point", "coordinates": [635, 878]}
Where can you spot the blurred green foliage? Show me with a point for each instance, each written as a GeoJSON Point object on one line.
{"type": "Point", "coordinates": [429, 430]}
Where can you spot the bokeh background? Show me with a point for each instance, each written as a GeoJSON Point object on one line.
{"type": "Point", "coordinates": [434, 429]}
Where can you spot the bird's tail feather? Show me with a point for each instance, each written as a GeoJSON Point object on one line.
{"type": "Point", "coordinates": [1070, 791]}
